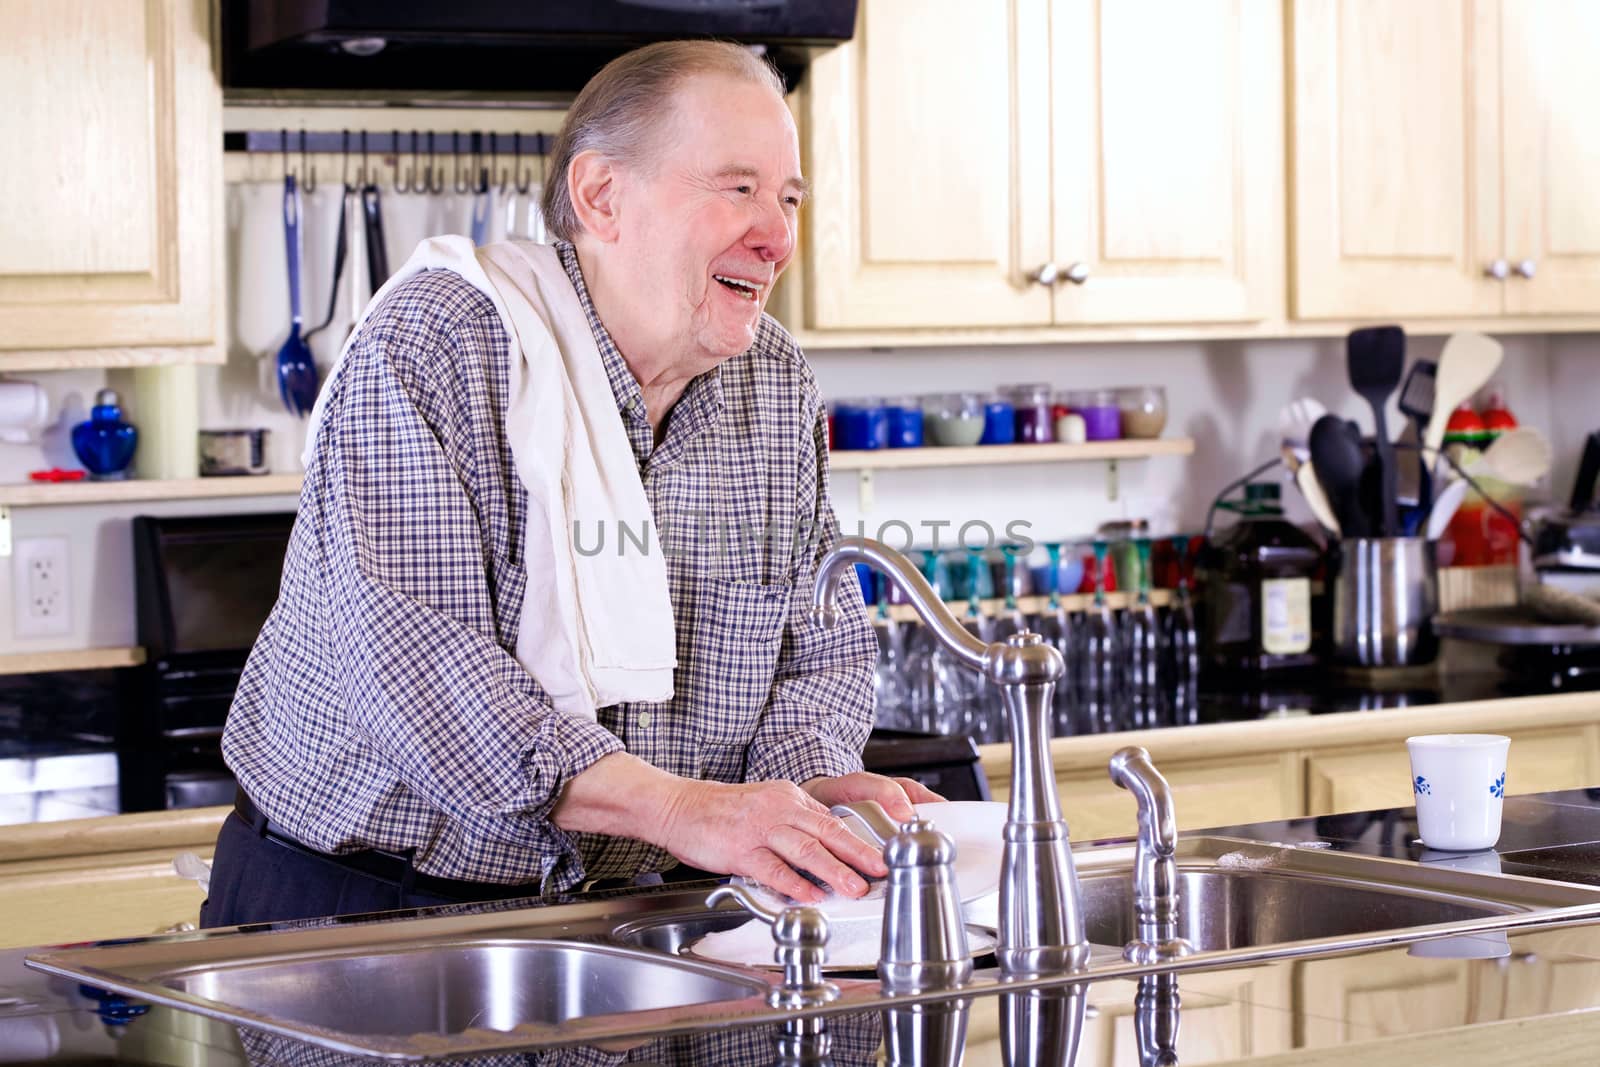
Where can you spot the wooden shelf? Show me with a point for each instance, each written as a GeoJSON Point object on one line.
{"type": "Point", "coordinates": [997, 455]}
{"type": "Point", "coordinates": [84, 659]}
{"type": "Point", "coordinates": [41, 494]}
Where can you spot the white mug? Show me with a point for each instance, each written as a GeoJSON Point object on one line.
{"type": "Point", "coordinates": [1458, 782]}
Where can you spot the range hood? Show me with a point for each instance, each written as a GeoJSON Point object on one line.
{"type": "Point", "coordinates": [495, 46]}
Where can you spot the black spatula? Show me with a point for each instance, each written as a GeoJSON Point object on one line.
{"type": "Point", "coordinates": [1376, 357]}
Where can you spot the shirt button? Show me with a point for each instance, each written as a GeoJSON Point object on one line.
{"type": "Point", "coordinates": [644, 720]}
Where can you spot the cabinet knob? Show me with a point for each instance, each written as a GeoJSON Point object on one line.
{"type": "Point", "coordinates": [1526, 268]}
{"type": "Point", "coordinates": [1078, 273]}
{"type": "Point", "coordinates": [1498, 268]}
{"type": "Point", "coordinates": [1047, 274]}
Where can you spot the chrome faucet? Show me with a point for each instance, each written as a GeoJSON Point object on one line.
{"type": "Point", "coordinates": [1155, 867]}
{"type": "Point", "coordinates": [1041, 908]}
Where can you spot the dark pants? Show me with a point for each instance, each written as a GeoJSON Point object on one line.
{"type": "Point", "coordinates": [257, 880]}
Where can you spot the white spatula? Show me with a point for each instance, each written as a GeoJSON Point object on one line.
{"type": "Point", "coordinates": [1467, 362]}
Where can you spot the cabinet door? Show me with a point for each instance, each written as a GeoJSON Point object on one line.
{"type": "Point", "coordinates": [1167, 138]}
{"type": "Point", "coordinates": [1359, 998]}
{"type": "Point", "coordinates": [1552, 154]}
{"type": "Point", "coordinates": [1395, 160]}
{"type": "Point", "coordinates": [1367, 779]}
{"type": "Point", "coordinates": [927, 144]}
{"type": "Point", "coordinates": [111, 233]}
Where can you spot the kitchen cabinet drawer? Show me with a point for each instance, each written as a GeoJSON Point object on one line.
{"type": "Point", "coordinates": [133, 894]}
{"type": "Point", "coordinates": [111, 241]}
{"type": "Point", "coordinates": [1373, 777]}
{"type": "Point", "coordinates": [1209, 793]}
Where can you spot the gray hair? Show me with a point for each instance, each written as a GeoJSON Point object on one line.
{"type": "Point", "coordinates": [627, 103]}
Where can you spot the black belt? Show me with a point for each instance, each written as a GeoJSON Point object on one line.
{"type": "Point", "coordinates": [394, 868]}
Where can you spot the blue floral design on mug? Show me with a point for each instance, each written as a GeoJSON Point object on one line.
{"type": "Point", "coordinates": [1498, 787]}
{"type": "Point", "coordinates": [1420, 785]}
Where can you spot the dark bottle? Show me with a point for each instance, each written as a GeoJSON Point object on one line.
{"type": "Point", "coordinates": [1255, 581]}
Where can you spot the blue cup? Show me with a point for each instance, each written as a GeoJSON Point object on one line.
{"type": "Point", "coordinates": [861, 425]}
{"type": "Point", "coordinates": [905, 426]}
{"type": "Point", "coordinates": [999, 423]}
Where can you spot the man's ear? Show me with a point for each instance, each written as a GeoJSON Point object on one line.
{"type": "Point", "coordinates": [592, 184]}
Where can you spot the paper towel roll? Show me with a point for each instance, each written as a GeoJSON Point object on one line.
{"type": "Point", "coordinates": [24, 411]}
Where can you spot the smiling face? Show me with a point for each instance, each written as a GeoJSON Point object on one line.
{"type": "Point", "coordinates": [702, 236]}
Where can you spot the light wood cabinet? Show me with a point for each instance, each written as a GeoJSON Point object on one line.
{"type": "Point", "coordinates": [1550, 82]}
{"type": "Point", "coordinates": [111, 237]}
{"type": "Point", "coordinates": [1358, 998]}
{"type": "Point", "coordinates": [1441, 160]}
{"type": "Point", "coordinates": [1130, 151]}
{"type": "Point", "coordinates": [1167, 160]}
{"type": "Point", "coordinates": [1370, 778]}
{"type": "Point", "coordinates": [133, 894]}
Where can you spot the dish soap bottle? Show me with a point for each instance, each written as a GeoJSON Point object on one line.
{"type": "Point", "coordinates": [104, 443]}
{"type": "Point", "coordinates": [1255, 584]}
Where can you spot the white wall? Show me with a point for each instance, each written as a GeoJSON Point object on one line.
{"type": "Point", "coordinates": [1226, 395]}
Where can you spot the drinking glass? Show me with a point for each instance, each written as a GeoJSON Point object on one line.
{"type": "Point", "coordinates": [891, 698]}
{"type": "Point", "coordinates": [1141, 645]}
{"type": "Point", "coordinates": [1054, 624]}
{"type": "Point", "coordinates": [1101, 651]}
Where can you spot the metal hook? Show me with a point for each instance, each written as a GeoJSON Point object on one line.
{"type": "Point", "coordinates": [344, 159]}
{"type": "Point", "coordinates": [283, 146]}
{"type": "Point", "coordinates": [523, 184]}
{"type": "Point", "coordinates": [362, 177]}
{"type": "Point", "coordinates": [394, 156]}
{"type": "Point", "coordinates": [461, 179]}
{"type": "Point", "coordinates": [498, 175]}
{"type": "Point", "coordinates": [308, 171]}
{"type": "Point", "coordinates": [412, 184]}
{"type": "Point", "coordinates": [431, 173]}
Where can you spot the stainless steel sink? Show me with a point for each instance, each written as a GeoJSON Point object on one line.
{"type": "Point", "coordinates": [1223, 909]}
{"type": "Point", "coordinates": [606, 968]}
{"type": "Point", "coordinates": [431, 988]}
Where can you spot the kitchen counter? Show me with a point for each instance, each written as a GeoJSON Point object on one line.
{"type": "Point", "coordinates": [1536, 1002]}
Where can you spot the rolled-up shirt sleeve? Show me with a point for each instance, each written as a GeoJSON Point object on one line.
{"type": "Point", "coordinates": [820, 710]}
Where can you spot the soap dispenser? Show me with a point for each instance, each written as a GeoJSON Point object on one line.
{"type": "Point", "coordinates": [105, 443]}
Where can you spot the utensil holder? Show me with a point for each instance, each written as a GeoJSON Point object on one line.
{"type": "Point", "coordinates": [1385, 594]}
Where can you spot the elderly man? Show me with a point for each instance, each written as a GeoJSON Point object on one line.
{"type": "Point", "coordinates": [391, 745]}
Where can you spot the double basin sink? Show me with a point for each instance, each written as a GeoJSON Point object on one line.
{"type": "Point", "coordinates": [496, 978]}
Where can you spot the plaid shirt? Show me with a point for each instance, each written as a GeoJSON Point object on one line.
{"type": "Point", "coordinates": [381, 706]}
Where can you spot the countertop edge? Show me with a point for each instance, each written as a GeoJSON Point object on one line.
{"type": "Point", "coordinates": [1354, 728]}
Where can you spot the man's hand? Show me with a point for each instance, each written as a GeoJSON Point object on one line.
{"type": "Point", "coordinates": [766, 831]}
{"type": "Point", "coordinates": [895, 795]}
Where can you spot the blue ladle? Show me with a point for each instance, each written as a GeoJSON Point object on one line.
{"type": "Point", "coordinates": [297, 368]}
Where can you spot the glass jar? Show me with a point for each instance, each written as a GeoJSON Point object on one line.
{"type": "Point", "coordinates": [1035, 424]}
{"type": "Point", "coordinates": [861, 424]}
{"type": "Point", "coordinates": [953, 419]}
{"type": "Point", "coordinates": [999, 421]}
{"type": "Point", "coordinates": [1102, 418]}
{"type": "Point", "coordinates": [1144, 411]}
{"type": "Point", "coordinates": [905, 422]}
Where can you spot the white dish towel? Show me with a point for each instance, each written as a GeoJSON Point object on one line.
{"type": "Point", "coordinates": [596, 629]}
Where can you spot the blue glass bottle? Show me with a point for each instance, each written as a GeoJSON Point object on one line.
{"type": "Point", "coordinates": [104, 443]}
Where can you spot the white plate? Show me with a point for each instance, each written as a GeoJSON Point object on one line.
{"type": "Point", "coordinates": [853, 945]}
{"type": "Point", "coordinates": [976, 827]}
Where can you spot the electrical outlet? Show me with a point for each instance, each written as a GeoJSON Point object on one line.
{"type": "Point", "coordinates": [41, 596]}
